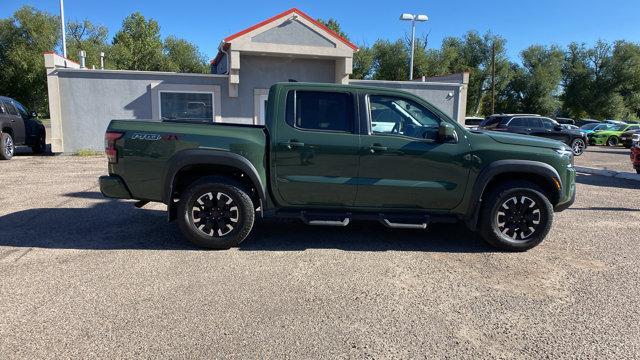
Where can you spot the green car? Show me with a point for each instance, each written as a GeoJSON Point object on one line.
{"type": "Point", "coordinates": [611, 137]}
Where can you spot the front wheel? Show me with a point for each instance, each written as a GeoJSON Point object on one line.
{"type": "Point", "coordinates": [517, 216]}
{"type": "Point", "coordinates": [216, 213]}
{"type": "Point", "coordinates": [612, 141]}
{"type": "Point", "coordinates": [7, 147]}
{"type": "Point", "coordinates": [578, 146]}
{"type": "Point", "coordinates": [41, 146]}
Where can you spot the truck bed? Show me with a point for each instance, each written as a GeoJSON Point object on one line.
{"type": "Point", "coordinates": [148, 150]}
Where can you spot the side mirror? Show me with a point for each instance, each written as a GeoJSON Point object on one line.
{"type": "Point", "coordinates": [447, 133]}
{"type": "Point", "coordinates": [33, 114]}
{"type": "Point", "coordinates": [558, 127]}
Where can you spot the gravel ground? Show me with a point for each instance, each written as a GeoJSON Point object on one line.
{"type": "Point", "coordinates": [86, 277]}
{"type": "Point", "coordinates": [606, 158]}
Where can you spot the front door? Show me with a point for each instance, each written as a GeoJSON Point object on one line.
{"type": "Point", "coordinates": [403, 165]}
{"type": "Point", "coordinates": [317, 149]}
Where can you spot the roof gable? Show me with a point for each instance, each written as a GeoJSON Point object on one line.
{"type": "Point", "coordinates": [303, 19]}
{"type": "Point", "coordinates": [293, 32]}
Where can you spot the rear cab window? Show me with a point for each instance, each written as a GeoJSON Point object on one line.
{"type": "Point", "coordinates": [320, 110]}
{"type": "Point", "coordinates": [11, 110]}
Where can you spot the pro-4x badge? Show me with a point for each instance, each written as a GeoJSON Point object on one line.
{"type": "Point", "coordinates": [150, 137]}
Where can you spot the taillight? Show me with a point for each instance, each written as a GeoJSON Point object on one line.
{"type": "Point", "coordinates": [110, 138]}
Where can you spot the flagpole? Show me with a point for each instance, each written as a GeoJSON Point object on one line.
{"type": "Point", "coordinates": [64, 36]}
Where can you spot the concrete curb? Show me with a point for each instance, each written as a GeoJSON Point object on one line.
{"type": "Point", "coordinates": [609, 173]}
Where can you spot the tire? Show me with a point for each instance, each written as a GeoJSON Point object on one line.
{"type": "Point", "coordinates": [578, 146]}
{"type": "Point", "coordinates": [7, 146]}
{"type": "Point", "coordinates": [530, 201]}
{"type": "Point", "coordinates": [638, 171]}
{"type": "Point", "coordinates": [41, 146]}
{"type": "Point", "coordinates": [612, 141]}
{"type": "Point", "coordinates": [211, 230]}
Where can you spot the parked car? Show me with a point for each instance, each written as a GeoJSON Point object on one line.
{"type": "Point", "coordinates": [319, 158]}
{"type": "Point", "coordinates": [19, 127]}
{"type": "Point", "coordinates": [635, 152]}
{"type": "Point", "coordinates": [536, 125]}
{"type": "Point", "coordinates": [582, 122]}
{"type": "Point", "coordinates": [627, 138]}
{"type": "Point", "coordinates": [592, 127]}
{"type": "Point", "coordinates": [616, 122]}
{"type": "Point", "coordinates": [610, 137]}
{"type": "Point", "coordinates": [570, 127]}
{"type": "Point", "coordinates": [563, 121]}
{"type": "Point", "coordinates": [473, 121]}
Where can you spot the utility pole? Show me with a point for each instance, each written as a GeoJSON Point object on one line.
{"type": "Point", "coordinates": [64, 35]}
{"type": "Point", "coordinates": [493, 77]}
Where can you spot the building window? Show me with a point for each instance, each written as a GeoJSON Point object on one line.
{"type": "Point", "coordinates": [186, 106]}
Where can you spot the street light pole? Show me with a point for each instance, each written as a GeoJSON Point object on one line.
{"type": "Point", "coordinates": [413, 18]}
{"type": "Point", "coordinates": [413, 47]}
{"type": "Point", "coordinates": [64, 35]}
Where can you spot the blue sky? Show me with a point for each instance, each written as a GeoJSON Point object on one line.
{"type": "Point", "coordinates": [522, 23]}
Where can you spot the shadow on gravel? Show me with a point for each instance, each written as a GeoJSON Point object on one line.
{"type": "Point", "coordinates": [598, 208]}
{"type": "Point", "coordinates": [615, 151]}
{"type": "Point", "coordinates": [605, 181]}
{"type": "Point", "coordinates": [114, 224]}
{"type": "Point", "coordinates": [25, 150]}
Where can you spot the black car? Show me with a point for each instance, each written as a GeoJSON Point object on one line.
{"type": "Point", "coordinates": [19, 127]}
{"type": "Point", "coordinates": [536, 125]}
{"type": "Point", "coordinates": [626, 138]}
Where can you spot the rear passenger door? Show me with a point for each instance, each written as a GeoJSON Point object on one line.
{"type": "Point", "coordinates": [317, 149]}
{"type": "Point", "coordinates": [15, 121]}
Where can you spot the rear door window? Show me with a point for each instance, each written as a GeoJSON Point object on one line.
{"type": "Point", "coordinates": [534, 123]}
{"type": "Point", "coordinates": [518, 122]}
{"type": "Point", "coordinates": [321, 110]}
{"type": "Point", "coordinates": [10, 108]}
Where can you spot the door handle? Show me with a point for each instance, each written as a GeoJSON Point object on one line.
{"type": "Point", "coordinates": [377, 148]}
{"type": "Point", "coordinates": [293, 144]}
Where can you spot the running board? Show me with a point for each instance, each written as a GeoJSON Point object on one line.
{"type": "Point", "coordinates": [344, 222]}
{"type": "Point", "coordinates": [325, 219]}
{"type": "Point", "coordinates": [389, 224]}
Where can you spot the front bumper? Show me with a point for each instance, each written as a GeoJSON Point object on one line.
{"type": "Point", "coordinates": [568, 195]}
{"type": "Point", "coordinates": [113, 187]}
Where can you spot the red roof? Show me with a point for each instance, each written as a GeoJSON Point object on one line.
{"type": "Point", "coordinates": [281, 15]}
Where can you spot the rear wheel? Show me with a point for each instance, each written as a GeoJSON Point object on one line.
{"type": "Point", "coordinates": [216, 213]}
{"type": "Point", "coordinates": [578, 146]}
{"type": "Point", "coordinates": [517, 216]}
{"type": "Point", "coordinates": [7, 147]}
{"type": "Point", "coordinates": [612, 141]}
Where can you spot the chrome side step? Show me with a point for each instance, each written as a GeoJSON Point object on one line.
{"type": "Point", "coordinates": [389, 224]}
{"type": "Point", "coordinates": [344, 222]}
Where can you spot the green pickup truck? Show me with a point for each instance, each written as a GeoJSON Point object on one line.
{"type": "Point", "coordinates": [330, 154]}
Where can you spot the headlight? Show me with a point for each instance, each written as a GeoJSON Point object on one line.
{"type": "Point", "coordinates": [635, 138]}
{"type": "Point", "coordinates": [566, 153]}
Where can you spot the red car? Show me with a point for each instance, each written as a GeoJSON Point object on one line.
{"type": "Point", "coordinates": [635, 156]}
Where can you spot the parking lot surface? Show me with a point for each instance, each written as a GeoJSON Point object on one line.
{"type": "Point", "coordinates": [606, 158]}
{"type": "Point", "coordinates": [86, 277]}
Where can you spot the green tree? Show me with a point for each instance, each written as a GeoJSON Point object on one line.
{"type": "Point", "coordinates": [137, 45]}
{"type": "Point", "coordinates": [88, 37]}
{"type": "Point", "coordinates": [24, 37]}
{"type": "Point", "coordinates": [183, 56]}
{"type": "Point", "coordinates": [535, 85]}
{"type": "Point", "coordinates": [390, 60]}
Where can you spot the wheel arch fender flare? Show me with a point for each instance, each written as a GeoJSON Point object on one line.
{"type": "Point", "coordinates": [191, 157]}
{"type": "Point", "coordinates": [502, 167]}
